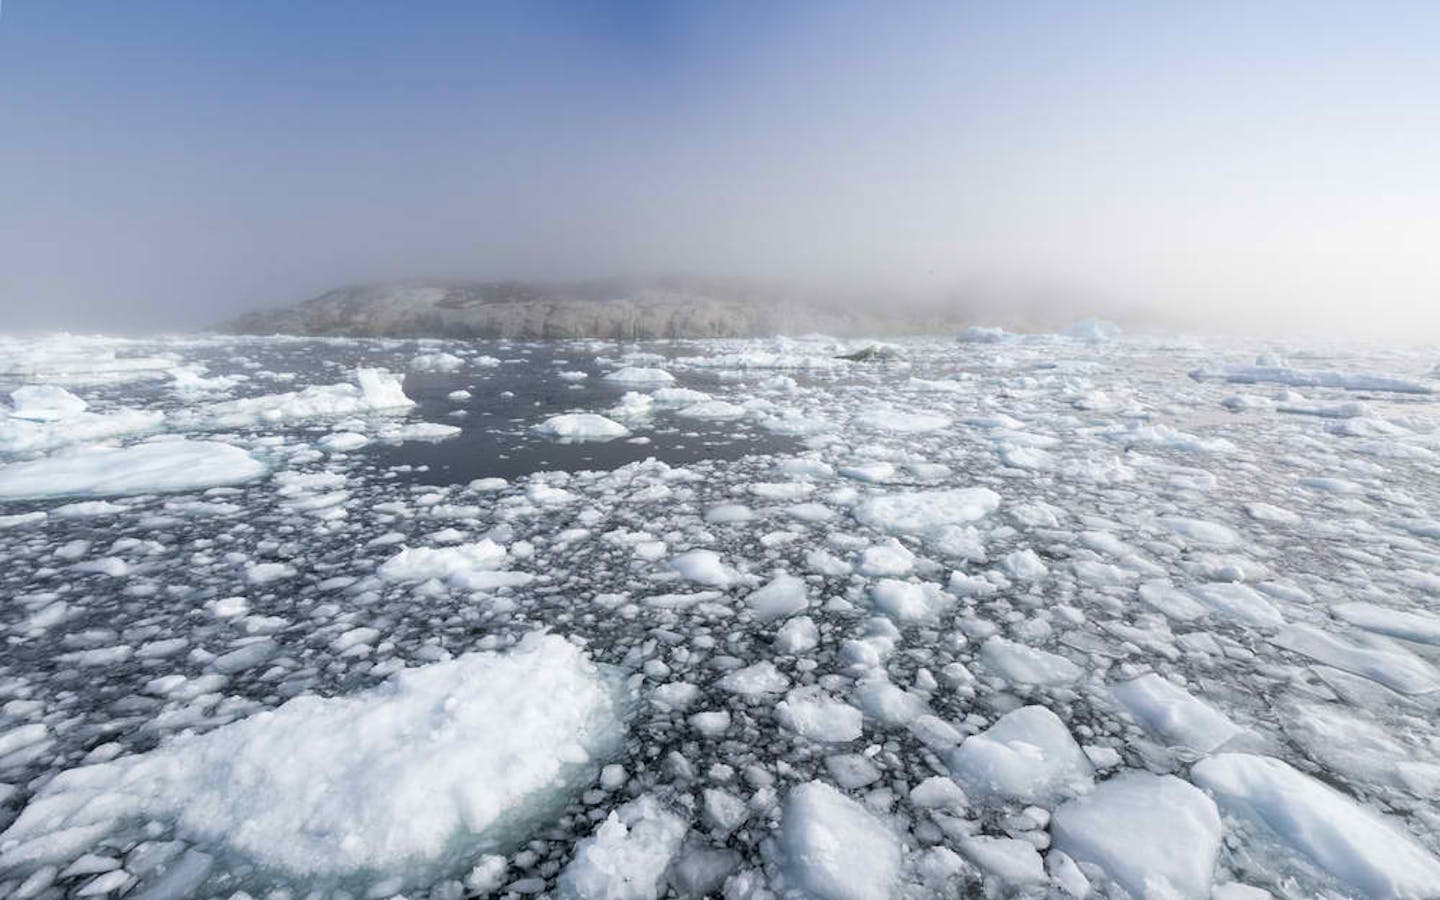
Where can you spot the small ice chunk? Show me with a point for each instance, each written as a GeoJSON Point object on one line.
{"type": "Point", "coordinates": [1027, 665]}
{"type": "Point", "coordinates": [626, 857]}
{"type": "Point", "coordinates": [754, 680]}
{"type": "Point", "coordinates": [919, 512]}
{"type": "Point", "coordinates": [797, 636]}
{"type": "Point", "coordinates": [834, 848]}
{"type": "Point", "coordinates": [1202, 532]}
{"type": "Point", "coordinates": [1410, 625]}
{"type": "Point", "coordinates": [44, 403]}
{"type": "Point", "coordinates": [1170, 711]}
{"type": "Point", "coordinates": [343, 441]}
{"type": "Point", "coordinates": [436, 362]}
{"type": "Point", "coordinates": [1008, 859]}
{"type": "Point", "coordinates": [475, 566]}
{"type": "Point", "coordinates": [1239, 602]}
{"type": "Point", "coordinates": [1027, 755]}
{"type": "Point", "coordinates": [906, 601]}
{"type": "Point", "coordinates": [713, 409]}
{"type": "Point", "coordinates": [784, 596]}
{"type": "Point", "coordinates": [578, 427]}
{"type": "Point", "coordinates": [703, 567]}
{"type": "Point", "coordinates": [812, 713]}
{"type": "Point", "coordinates": [1155, 835]}
{"type": "Point", "coordinates": [641, 377]}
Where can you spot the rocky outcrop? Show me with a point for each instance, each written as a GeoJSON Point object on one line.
{"type": "Point", "coordinates": [611, 310]}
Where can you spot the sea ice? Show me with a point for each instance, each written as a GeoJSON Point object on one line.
{"type": "Point", "coordinates": [576, 427]}
{"type": "Point", "coordinates": [834, 848]}
{"type": "Point", "coordinates": [384, 781]}
{"type": "Point", "coordinates": [1170, 711]}
{"type": "Point", "coordinates": [162, 466]}
{"type": "Point", "coordinates": [1155, 835]}
{"type": "Point", "coordinates": [1027, 755]}
{"type": "Point", "coordinates": [1357, 845]}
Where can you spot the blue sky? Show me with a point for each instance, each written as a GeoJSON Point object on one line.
{"type": "Point", "coordinates": [1250, 164]}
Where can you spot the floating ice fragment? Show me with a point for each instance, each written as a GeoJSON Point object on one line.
{"type": "Point", "coordinates": [784, 596]}
{"type": "Point", "coordinates": [1027, 665]}
{"type": "Point", "coordinates": [1027, 755]}
{"type": "Point", "coordinates": [475, 566]}
{"type": "Point", "coordinates": [918, 512]}
{"type": "Point", "coordinates": [577, 427]}
{"type": "Point", "coordinates": [834, 848]}
{"type": "Point", "coordinates": [154, 467]}
{"type": "Point", "coordinates": [641, 377]}
{"type": "Point", "coordinates": [626, 857]}
{"type": "Point", "coordinates": [387, 781]}
{"type": "Point", "coordinates": [1155, 835]}
{"type": "Point", "coordinates": [1170, 710]}
{"type": "Point", "coordinates": [1352, 842]}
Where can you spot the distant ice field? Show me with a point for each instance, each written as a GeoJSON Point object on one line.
{"type": "Point", "coordinates": [1068, 615]}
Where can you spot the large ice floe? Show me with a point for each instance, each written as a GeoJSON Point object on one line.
{"type": "Point", "coordinates": [1075, 615]}
{"type": "Point", "coordinates": [405, 779]}
{"type": "Point", "coordinates": [152, 467]}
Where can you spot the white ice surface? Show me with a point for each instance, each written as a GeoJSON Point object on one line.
{"type": "Point", "coordinates": [404, 779]}
{"type": "Point", "coordinates": [1172, 712]}
{"type": "Point", "coordinates": [1355, 844]}
{"type": "Point", "coordinates": [1155, 835]}
{"type": "Point", "coordinates": [1027, 755]}
{"type": "Point", "coordinates": [155, 467]}
{"type": "Point", "coordinates": [835, 849]}
{"type": "Point", "coordinates": [576, 427]}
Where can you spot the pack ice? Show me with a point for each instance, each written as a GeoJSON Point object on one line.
{"type": "Point", "coordinates": [1081, 614]}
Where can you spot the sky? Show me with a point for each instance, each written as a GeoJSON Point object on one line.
{"type": "Point", "coordinates": [1270, 166]}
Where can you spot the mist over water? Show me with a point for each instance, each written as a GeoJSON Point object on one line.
{"type": "Point", "coordinates": [168, 166]}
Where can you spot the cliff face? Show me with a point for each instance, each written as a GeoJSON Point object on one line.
{"type": "Point", "coordinates": [599, 310]}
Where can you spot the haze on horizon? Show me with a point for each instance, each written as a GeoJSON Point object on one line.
{"type": "Point", "coordinates": [1265, 167]}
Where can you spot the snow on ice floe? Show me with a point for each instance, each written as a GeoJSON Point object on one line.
{"type": "Point", "coordinates": [641, 377]}
{"type": "Point", "coordinates": [475, 567]}
{"type": "Point", "coordinates": [1360, 847]}
{"type": "Point", "coordinates": [373, 391]}
{"type": "Point", "coordinates": [627, 857]}
{"type": "Point", "coordinates": [1369, 656]}
{"type": "Point", "coordinates": [1155, 835]}
{"type": "Point", "coordinates": [577, 427]}
{"type": "Point", "coordinates": [155, 467]}
{"type": "Point", "coordinates": [383, 782]}
{"type": "Point", "coordinates": [921, 512]}
{"type": "Point", "coordinates": [436, 362]}
{"type": "Point", "coordinates": [21, 434]}
{"type": "Point", "coordinates": [1348, 381]}
{"type": "Point", "coordinates": [834, 848]}
{"type": "Point", "coordinates": [1173, 713]}
{"type": "Point", "coordinates": [1027, 755]}
{"type": "Point", "coordinates": [44, 403]}
{"type": "Point", "coordinates": [78, 360]}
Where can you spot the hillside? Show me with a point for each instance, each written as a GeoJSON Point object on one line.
{"type": "Point", "coordinates": [615, 310]}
